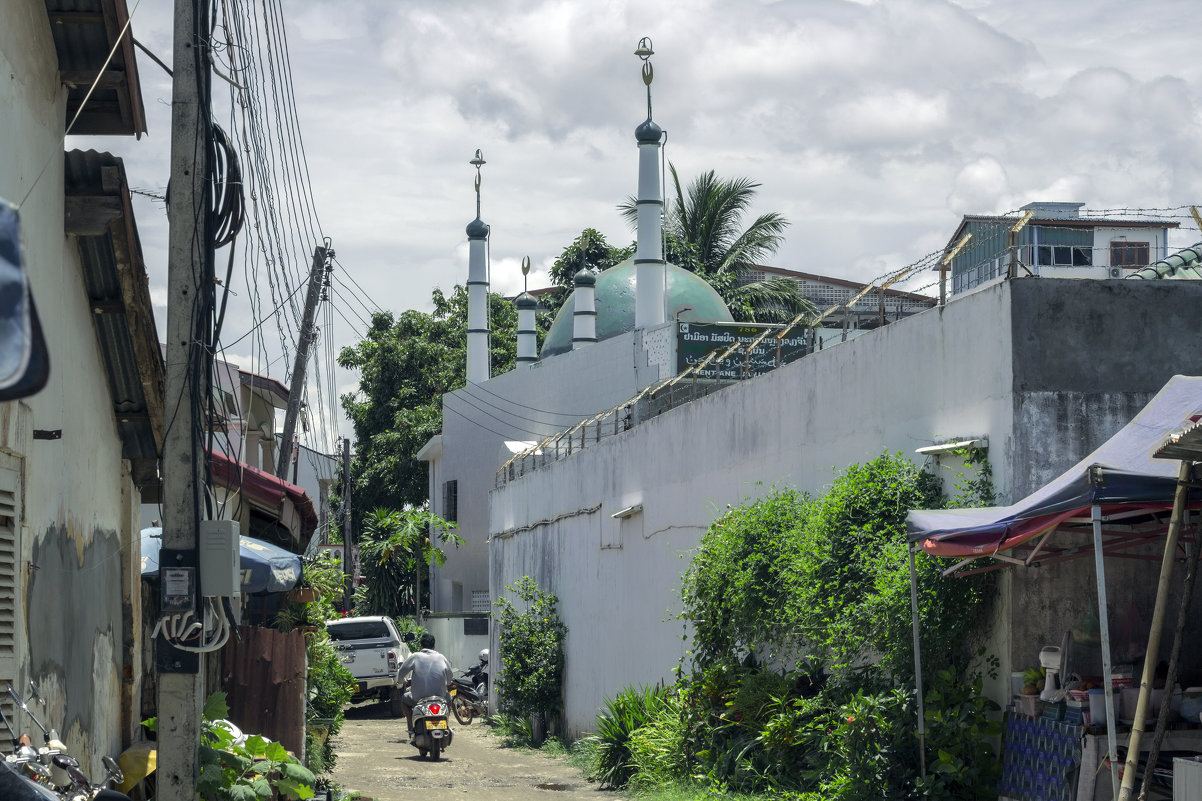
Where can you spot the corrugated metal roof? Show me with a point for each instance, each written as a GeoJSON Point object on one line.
{"type": "Point", "coordinates": [101, 220]}
{"type": "Point", "coordinates": [85, 32]}
{"type": "Point", "coordinates": [1185, 264]}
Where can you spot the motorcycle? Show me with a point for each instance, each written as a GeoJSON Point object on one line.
{"type": "Point", "coordinates": [472, 687]}
{"type": "Point", "coordinates": [431, 731]}
{"type": "Point", "coordinates": [49, 772]}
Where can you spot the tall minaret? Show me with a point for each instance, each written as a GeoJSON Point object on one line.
{"type": "Point", "coordinates": [477, 290]}
{"type": "Point", "coordinates": [527, 333]}
{"type": "Point", "coordinates": [650, 271]}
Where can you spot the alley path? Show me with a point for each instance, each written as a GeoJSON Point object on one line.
{"type": "Point", "coordinates": [375, 758]}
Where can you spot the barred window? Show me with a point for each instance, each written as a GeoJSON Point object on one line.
{"type": "Point", "coordinates": [450, 501]}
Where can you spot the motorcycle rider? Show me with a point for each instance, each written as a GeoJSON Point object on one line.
{"type": "Point", "coordinates": [431, 675]}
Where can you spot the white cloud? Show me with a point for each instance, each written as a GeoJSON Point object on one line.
{"type": "Point", "coordinates": [871, 125]}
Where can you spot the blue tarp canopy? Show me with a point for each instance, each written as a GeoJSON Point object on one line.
{"type": "Point", "coordinates": [265, 567]}
{"type": "Point", "coordinates": [1121, 476]}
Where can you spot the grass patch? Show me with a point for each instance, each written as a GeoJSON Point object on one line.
{"type": "Point", "coordinates": [697, 792]}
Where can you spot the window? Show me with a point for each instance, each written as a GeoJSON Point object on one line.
{"type": "Point", "coordinates": [10, 525]}
{"type": "Point", "coordinates": [480, 603]}
{"type": "Point", "coordinates": [1065, 256]}
{"type": "Point", "coordinates": [450, 501]}
{"type": "Point", "coordinates": [1129, 254]}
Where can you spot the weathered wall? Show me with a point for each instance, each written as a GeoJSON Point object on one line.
{"type": "Point", "coordinates": [76, 491]}
{"type": "Point", "coordinates": [461, 650]}
{"type": "Point", "coordinates": [528, 404]}
{"type": "Point", "coordinates": [1117, 343]}
{"type": "Point", "coordinates": [976, 367]}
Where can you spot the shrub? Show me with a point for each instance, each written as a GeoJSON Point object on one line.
{"type": "Point", "coordinates": [624, 714]}
{"type": "Point", "coordinates": [531, 645]}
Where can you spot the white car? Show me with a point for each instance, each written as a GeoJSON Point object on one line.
{"type": "Point", "coordinates": [372, 651]}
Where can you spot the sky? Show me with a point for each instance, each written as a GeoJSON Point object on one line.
{"type": "Point", "coordinates": [871, 126]}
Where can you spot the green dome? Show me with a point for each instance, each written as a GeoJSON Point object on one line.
{"type": "Point", "coordinates": [615, 305]}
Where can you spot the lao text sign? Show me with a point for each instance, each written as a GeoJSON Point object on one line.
{"type": "Point", "coordinates": [695, 341]}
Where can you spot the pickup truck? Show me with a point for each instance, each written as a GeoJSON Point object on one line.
{"type": "Point", "coordinates": [372, 651]}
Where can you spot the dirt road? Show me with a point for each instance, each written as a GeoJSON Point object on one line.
{"type": "Point", "coordinates": [375, 758]}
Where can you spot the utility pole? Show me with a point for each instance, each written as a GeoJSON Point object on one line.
{"type": "Point", "coordinates": [304, 341]}
{"type": "Point", "coordinates": [346, 524]}
{"type": "Point", "coordinates": [179, 676]}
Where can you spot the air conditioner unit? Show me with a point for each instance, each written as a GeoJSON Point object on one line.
{"type": "Point", "coordinates": [1116, 272]}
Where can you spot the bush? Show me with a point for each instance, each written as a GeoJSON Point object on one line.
{"type": "Point", "coordinates": [794, 581]}
{"type": "Point", "coordinates": [531, 645]}
{"type": "Point", "coordinates": [623, 716]}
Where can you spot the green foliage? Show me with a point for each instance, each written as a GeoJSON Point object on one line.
{"type": "Point", "coordinates": [395, 546]}
{"type": "Point", "coordinates": [405, 364]}
{"type": "Point", "coordinates": [960, 731]}
{"type": "Point", "coordinates": [823, 584]}
{"type": "Point", "coordinates": [623, 716]}
{"type": "Point", "coordinates": [531, 645]}
{"type": "Point", "coordinates": [251, 771]}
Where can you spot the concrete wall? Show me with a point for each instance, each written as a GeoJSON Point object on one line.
{"type": "Point", "coordinates": [1045, 369]}
{"type": "Point", "coordinates": [80, 506]}
{"type": "Point", "coordinates": [526, 404]}
{"type": "Point", "coordinates": [461, 650]}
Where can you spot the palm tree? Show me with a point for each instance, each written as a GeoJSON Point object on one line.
{"type": "Point", "coordinates": [705, 235]}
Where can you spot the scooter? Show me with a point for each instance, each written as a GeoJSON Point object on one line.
{"type": "Point", "coordinates": [431, 731]}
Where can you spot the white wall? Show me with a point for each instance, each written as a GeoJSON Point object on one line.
{"type": "Point", "coordinates": [528, 403]}
{"type": "Point", "coordinates": [923, 378]}
{"type": "Point", "coordinates": [77, 490]}
{"type": "Point", "coordinates": [1047, 370]}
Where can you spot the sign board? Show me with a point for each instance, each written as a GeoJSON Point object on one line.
{"type": "Point", "coordinates": [695, 341]}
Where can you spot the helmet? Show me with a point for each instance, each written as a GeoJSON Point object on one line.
{"type": "Point", "coordinates": [484, 656]}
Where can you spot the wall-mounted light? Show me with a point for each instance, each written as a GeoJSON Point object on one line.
{"type": "Point", "coordinates": [629, 511]}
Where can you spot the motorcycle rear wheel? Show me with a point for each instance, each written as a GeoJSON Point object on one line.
{"type": "Point", "coordinates": [435, 751]}
{"type": "Point", "coordinates": [463, 711]}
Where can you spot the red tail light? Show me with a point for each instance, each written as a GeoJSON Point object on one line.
{"type": "Point", "coordinates": [392, 661]}
{"type": "Point", "coordinates": [435, 709]}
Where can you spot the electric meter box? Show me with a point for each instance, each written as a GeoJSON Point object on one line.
{"type": "Point", "coordinates": [220, 563]}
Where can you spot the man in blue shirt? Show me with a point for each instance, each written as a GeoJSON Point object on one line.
{"type": "Point", "coordinates": [431, 676]}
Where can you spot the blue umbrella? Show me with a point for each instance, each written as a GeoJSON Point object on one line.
{"type": "Point", "coordinates": [265, 567]}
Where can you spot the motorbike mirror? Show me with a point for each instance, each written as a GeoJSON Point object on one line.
{"type": "Point", "coordinates": [64, 761]}
{"type": "Point", "coordinates": [114, 770]}
{"type": "Point", "coordinates": [33, 688]}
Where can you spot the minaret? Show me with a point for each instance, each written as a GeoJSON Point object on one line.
{"type": "Point", "coordinates": [477, 290]}
{"type": "Point", "coordinates": [584, 309]}
{"type": "Point", "coordinates": [527, 336]}
{"type": "Point", "coordinates": [650, 271]}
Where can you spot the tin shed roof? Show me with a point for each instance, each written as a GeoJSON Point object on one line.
{"type": "Point", "coordinates": [85, 33]}
{"type": "Point", "coordinates": [101, 220]}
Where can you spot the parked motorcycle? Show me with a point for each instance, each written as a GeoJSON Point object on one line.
{"type": "Point", "coordinates": [472, 696]}
{"type": "Point", "coordinates": [431, 731]}
{"type": "Point", "coordinates": [49, 772]}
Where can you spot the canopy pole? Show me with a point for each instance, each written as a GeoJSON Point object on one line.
{"type": "Point", "coordinates": [922, 729]}
{"type": "Point", "coordinates": [1153, 652]}
{"type": "Point", "coordinates": [1104, 625]}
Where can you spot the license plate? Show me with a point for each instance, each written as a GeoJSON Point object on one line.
{"type": "Point", "coordinates": [436, 724]}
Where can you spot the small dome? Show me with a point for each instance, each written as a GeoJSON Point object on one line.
{"type": "Point", "coordinates": [615, 305]}
{"type": "Point", "coordinates": [648, 132]}
{"type": "Point", "coordinates": [584, 278]}
{"type": "Point", "coordinates": [525, 301]}
{"type": "Point", "coordinates": [476, 229]}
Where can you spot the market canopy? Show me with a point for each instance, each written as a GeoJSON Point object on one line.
{"type": "Point", "coordinates": [1122, 476]}
{"type": "Point", "coordinates": [265, 567]}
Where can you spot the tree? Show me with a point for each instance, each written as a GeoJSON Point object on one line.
{"type": "Point", "coordinates": [397, 550]}
{"type": "Point", "coordinates": [405, 365]}
{"type": "Point", "coordinates": [587, 250]}
{"type": "Point", "coordinates": [704, 234]}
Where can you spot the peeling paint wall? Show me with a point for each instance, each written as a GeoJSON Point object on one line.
{"type": "Point", "coordinates": [1047, 370]}
{"type": "Point", "coordinates": [77, 498]}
